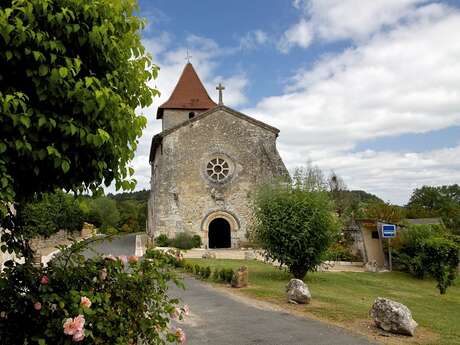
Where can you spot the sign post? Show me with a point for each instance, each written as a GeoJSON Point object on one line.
{"type": "Point", "coordinates": [389, 232]}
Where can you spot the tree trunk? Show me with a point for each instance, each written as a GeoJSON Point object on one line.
{"type": "Point", "coordinates": [298, 271]}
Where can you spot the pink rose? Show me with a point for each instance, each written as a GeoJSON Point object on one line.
{"type": "Point", "coordinates": [37, 306]}
{"type": "Point", "coordinates": [186, 310]}
{"type": "Point", "coordinates": [75, 325]}
{"type": "Point", "coordinates": [79, 322]}
{"type": "Point", "coordinates": [45, 280]}
{"type": "Point", "coordinates": [180, 334]}
{"type": "Point", "coordinates": [123, 258]}
{"type": "Point", "coordinates": [79, 336]}
{"type": "Point", "coordinates": [85, 302]}
{"type": "Point", "coordinates": [132, 259]}
{"type": "Point", "coordinates": [69, 327]}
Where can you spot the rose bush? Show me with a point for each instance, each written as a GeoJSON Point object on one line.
{"type": "Point", "coordinates": [102, 300]}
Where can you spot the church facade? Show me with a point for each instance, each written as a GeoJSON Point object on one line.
{"type": "Point", "coordinates": [206, 164]}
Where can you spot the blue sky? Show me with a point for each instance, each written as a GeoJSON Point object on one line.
{"type": "Point", "coordinates": [368, 89]}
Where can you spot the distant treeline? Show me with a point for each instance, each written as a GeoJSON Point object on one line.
{"type": "Point", "coordinates": [51, 212]}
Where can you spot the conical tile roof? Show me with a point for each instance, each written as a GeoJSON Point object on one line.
{"type": "Point", "coordinates": [189, 93]}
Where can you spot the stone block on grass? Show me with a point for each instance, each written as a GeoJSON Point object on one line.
{"type": "Point", "coordinates": [297, 292]}
{"type": "Point", "coordinates": [240, 277]}
{"type": "Point", "coordinates": [393, 317]}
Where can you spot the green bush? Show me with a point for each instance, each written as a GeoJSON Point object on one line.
{"type": "Point", "coordinates": [340, 252]}
{"type": "Point", "coordinates": [205, 272]}
{"type": "Point", "coordinates": [225, 275]}
{"type": "Point", "coordinates": [215, 274]}
{"type": "Point", "coordinates": [426, 250]}
{"type": "Point", "coordinates": [202, 272]}
{"type": "Point", "coordinates": [294, 226]}
{"type": "Point", "coordinates": [162, 241]}
{"type": "Point", "coordinates": [196, 241]}
{"type": "Point", "coordinates": [117, 305]}
{"type": "Point", "coordinates": [184, 240]}
{"type": "Point", "coordinates": [51, 212]}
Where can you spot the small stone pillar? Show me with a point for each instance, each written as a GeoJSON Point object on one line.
{"type": "Point", "coordinates": [240, 277]}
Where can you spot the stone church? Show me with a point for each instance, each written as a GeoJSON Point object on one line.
{"type": "Point", "coordinates": [206, 163]}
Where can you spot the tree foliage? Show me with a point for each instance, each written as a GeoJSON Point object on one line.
{"type": "Point", "coordinates": [439, 201]}
{"type": "Point", "coordinates": [384, 212]}
{"type": "Point", "coordinates": [50, 213]}
{"type": "Point", "coordinates": [428, 250]}
{"type": "Point", "coordinates": [72, 74]}
{"type": "Point", "coordinates": [294, 226]}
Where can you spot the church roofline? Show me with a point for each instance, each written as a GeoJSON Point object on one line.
{"type": "Point", "coordinates": [156, 140]}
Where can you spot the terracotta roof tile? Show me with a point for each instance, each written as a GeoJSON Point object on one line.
{"type": "Point", "coordinates": [189, 93]}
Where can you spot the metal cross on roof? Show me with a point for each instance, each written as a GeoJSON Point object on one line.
{"type": "Point", "coordinates": [220, 87]}
{"type": "Point", "coordinates": [188, 56]}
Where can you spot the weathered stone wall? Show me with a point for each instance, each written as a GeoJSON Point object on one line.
{"type": "Point", "coordinates": [174, 117]}
{"type": "Point", "coordinates": [184, 198]}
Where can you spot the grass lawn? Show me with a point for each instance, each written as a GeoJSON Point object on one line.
{"type": "Point", "coordinates": [345, 297]}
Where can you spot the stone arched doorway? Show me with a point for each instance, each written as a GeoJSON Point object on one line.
{"type": "Point", "coordinates": [220, 224]}
{"type": "Point", "coordinates": [219, 234]}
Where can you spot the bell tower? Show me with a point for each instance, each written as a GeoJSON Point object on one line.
{"type": "Point", "coordinates": [188, 99]}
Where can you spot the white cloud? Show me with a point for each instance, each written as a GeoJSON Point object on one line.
{"type": "Point", "coordinates": [393, 175]}
{"type": "Point", "coordinates": [403, 80]}
{"type": "Point", "coordinates": [343, 19]}
{"type": "Point", "coordinates": [300, 34]}
{"type": "Point", "coordinates": [235, 86]}
{"type": "Point", "coordinates": [252, 39]}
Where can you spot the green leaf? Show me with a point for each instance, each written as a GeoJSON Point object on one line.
{"type": "Point", "coordinates": [103, 135]}
{"type": "Point", "coordinates": [65, 165]}
{"type": "Point", "coordinates": [36, 55]}
{"type": "Point", "coordinates": [9, 55]}
{"type": "Point", "coordinates": [2, 147]}
{"type": "Point", "coordinates": [63, 72]}
{"type": "Point", "coordinates": [25, 121]}
{"type": "Point", "coordinates": [73, 129]}
{"type": "Point", "coordinates": [43, 70]}
{"type": "Point", "coordinates": [41, 121]}
{"type": "Point", "coordinates": [88, 81]}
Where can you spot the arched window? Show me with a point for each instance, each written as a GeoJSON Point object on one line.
{"type": "Point", "coordinates": [191, 115]}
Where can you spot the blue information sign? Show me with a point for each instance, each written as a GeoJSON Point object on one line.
{"type": "Point", "coordinates": [388, 230]}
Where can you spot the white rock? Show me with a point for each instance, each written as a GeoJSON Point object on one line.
{"type": "Point", "coordinates": [392, 316]}
{"type": "Point", "coordinates": [208, 255]}
{"type": "Point", "coordinates": [249, 255]}
{"type": "Point", "coordinates": [298, 292]}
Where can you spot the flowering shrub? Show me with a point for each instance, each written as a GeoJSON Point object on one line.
{"type": "Point", "coordinates": [103, 300]}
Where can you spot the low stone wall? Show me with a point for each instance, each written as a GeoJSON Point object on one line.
{"type": "Point", "coordinates": [62, 237]}
{"type": "Point", "coordinates": [57, 239]}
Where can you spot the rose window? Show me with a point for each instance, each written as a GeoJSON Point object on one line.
{"type": "Point", "coordinates": [217, 169]}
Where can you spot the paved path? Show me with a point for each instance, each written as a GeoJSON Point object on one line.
{"type": "Point", "coordinates": [117, 245]}
{"type": "Point", "coordinates": [220, 319]}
